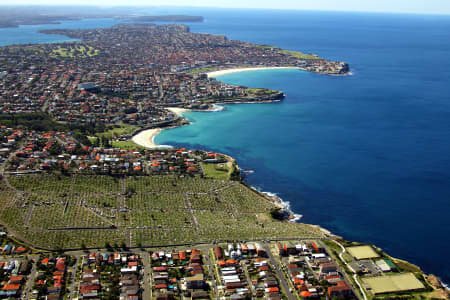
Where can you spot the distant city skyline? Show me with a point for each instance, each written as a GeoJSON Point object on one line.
{"type": "Point", "coordinates": [397, 6]}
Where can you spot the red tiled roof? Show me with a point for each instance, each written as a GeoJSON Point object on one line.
{"type": "Point", "coordinates": [11, 287]}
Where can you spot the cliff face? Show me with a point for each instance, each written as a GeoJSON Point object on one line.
{"type": "Point", "coordinates": [345, 69]}
{"type": "Point", "coordinates": [279, 96]}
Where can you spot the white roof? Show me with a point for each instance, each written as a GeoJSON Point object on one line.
{"type": "Point", "coordinates": [383, 265]}
{"type": "Point", "coordinates": [319, 255]}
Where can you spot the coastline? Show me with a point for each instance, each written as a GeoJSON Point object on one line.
{"type": "Point", "coordinates": [284, 205]}
{"type": "Point", "coordinates": [146, 138]}
{"type": "Point", "coordinates": [238, 70]}
{"type": "Point", "coordinates": [155, 132]}
{"type": "Point", "coordinates": [290, 215]}
{"type": "Point", "coordinates": [177, 110]}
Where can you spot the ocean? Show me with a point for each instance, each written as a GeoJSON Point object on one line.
{"type": "Point", "coordinates": [365, 156]}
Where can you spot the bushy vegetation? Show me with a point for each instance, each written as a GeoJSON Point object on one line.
{"type": "Point", "coordinates": [40, 121]}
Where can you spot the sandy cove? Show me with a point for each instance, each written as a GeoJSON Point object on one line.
{"type": "Point", "coordinates": [177, 110]}
{"type": "Point", "coordinates": [146, 138]}
{"type": "Point", "coordinates": [236, 70]}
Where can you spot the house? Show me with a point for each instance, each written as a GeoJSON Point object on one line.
{"type": "Point", "coordinates": [328, 267]}
{"type": "Point", "coordinates": [316, 248]}
{"type": "Point", "coordinates": [16, 279]}
{"type": "Point", "coordinates": [218, 253]}
{"type": "Point", "coordinates": [260, 251]}
{"type": "Point", "coordinates": [160, 286]}
{"type": "Point", "coordinates": [195, 282]}
{"type": "Point", "coordinates": [281, 249]}
{"type": "Point", "coordinates": [290, 248]}
{"type": "Point", "coordinates": [165, 296]}
{"type": "Point", "coordinates": [244, 248]}
{"type": "Point", "coordinates": [11, 287]}
{"type": "Point", "coordinates": [251, 250]}
{"type": "Point", "coordinates": [200, 295]}
{"type": "Point", "coordinates": [340, 290]}
{"type": "Point", "coordinates": [195, 256]}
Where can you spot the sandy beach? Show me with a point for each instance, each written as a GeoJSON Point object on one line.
{"type": "Point", "coordinates": [236, 70]}
{"type": "Point", "coordinates": [177, 110]}
{"type": "Point", "coordinates": [146, 138]}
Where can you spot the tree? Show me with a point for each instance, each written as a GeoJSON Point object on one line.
{"type": "Point", "coordinates": [108, 246]}
{"type": "Point", "coordinates": [97, 142]}
{"type": "Point", "coordinates": [123, 245]}
{"type": "Point", "coordinates": [54, 149]}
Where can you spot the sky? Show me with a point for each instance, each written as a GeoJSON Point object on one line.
{"type": "Point", "coordinates": [394, 6]}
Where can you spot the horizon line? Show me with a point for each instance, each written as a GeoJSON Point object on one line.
{"type": "Point", "coordinates": [231, 8]}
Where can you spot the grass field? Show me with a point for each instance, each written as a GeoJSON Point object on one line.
{"type": "Point", "coordinates": [216, 171]}
{"type": "Point", "coordinates": [127, 145]}
{"type": "Point", "coordinates": [301, 55]}
{"type": "Point", "coordinates": [202, 70]}
{"type": "Point", "coordinates": [362, 252]}
{"type": "Point", "coordinates": [60, 212]}
{"type": "Point", "coordinates": [260, 92]}
{"type": "Point", "coordinates": [394, 283]}
{"type": "Point", "coordinates": [118, 130]}
{"type": "Point", "coordinates": [296, 54]}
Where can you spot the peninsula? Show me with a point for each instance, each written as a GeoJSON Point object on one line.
{"type": "Point", "coordinates": [87, 213]}
{"type": "Point", "coordinates": [15, 16]}
{"type": "Point", "coordinates": [168, 18]}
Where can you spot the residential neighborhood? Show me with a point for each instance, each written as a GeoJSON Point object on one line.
{"type": "Point", "coordinates": [30, 151]}
{"type": "Point", "coordinates": [312, 272]}
{"type": "Point", "coordinates": [101, 80]}
{"type": "Point", "coordinates": [88, 213]}
{"type": "Point", "coordinates": [285, 269]}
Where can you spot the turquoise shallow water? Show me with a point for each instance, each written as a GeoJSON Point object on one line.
{"type": "Point", "coordinates": [366, 156]}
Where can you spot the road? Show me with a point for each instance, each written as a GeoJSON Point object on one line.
{"type": "Point", "coordinates": [280, 275]}
{"type": "Point", "coordinates": [73, 286]}
{"type": "Point", "coordinates": [247, 276]}
{"type": "Point", "coordinates": [30, 280]}
{"type": "Point", "coordinates": [3, 166]}
{"type": "Point", "coordinates": [147, 289]}
{"type": "Point", "coordinates": [355, 277]}
{"type": "Point", "coordinates": [211, 271]}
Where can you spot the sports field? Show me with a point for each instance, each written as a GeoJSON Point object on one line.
{"type": "Point", "coordinates": [394, 283]}
{"type": "Point", "coordinates": [362, 252]}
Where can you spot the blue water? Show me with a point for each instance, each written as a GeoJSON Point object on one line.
{"type": "Point", "coordinates": [366, 156]}
{"type": "Point", "coordinates": [29, 34]}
